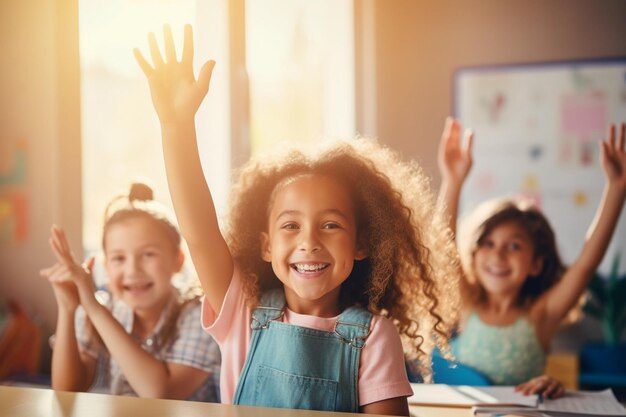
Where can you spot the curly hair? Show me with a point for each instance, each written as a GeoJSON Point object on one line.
{"type": "Point", "coordinates": [488, 216]}
{"type": "Point", "coordinates": [412, 268]}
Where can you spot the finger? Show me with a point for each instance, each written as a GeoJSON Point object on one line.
{"type": "Point", "coordinates": [62, 254]}
{"type": "Point", "coordinates": [559, 391]}
{"type": "Point", "coordinates": [170, 49]}
{"type": "Point", "coordinates": [143, 64]}
{"type": "Point", "coordinates": [622, 136]}
{"type": "Point", "coordinates": [606, 153]}
{"type": "Point", "coordinates": [551, 389]}
{"type": "Point", "coordinates": [447, 127]}
{"type": "Point", "coordinates": [469, 139]}
{"type": "Point", "coordinates": [454, 132]}
{"type": "Point", "coordinates": [468, 142]}
{"type": "Point", "coordinates": [611, 136]}
{"type": "Point", "coordinates": [50, 270]}
{"type": "Point", "coordinates": [157, 60]}
{"type": "Point", "coordinates": [89, 264]}
{"type": "Point", "coordinates": [187, 57]}
{"type": "Point", "coordinates": [61, 274]}
{"type": "Point", "coordinates": [204, 78]}
{"type": "Point", "coordinates": [60, 234]}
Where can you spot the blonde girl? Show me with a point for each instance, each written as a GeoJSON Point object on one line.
{"type": "Point", "coordinates": [515, 290]}
{"type": "Point", "coordinates": [146, 342]}
{"type": "Point", "coordinates": [330, 269]}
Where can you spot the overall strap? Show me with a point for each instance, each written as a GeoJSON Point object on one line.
{"type": "Point", "coordinates": [353, 326]}
{"type": "Point", "coordinates": [271, 307]}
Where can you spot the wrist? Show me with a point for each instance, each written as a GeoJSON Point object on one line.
{"type": "Point", "coordinates": [177, 125]}
{"type": "Point", "coordinates": [451, 183]}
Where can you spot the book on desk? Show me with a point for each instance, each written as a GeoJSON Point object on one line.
{"type": "Point", "coordinates": [499, 400]}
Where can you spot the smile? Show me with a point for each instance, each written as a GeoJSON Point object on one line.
{"type": "Point", "coordinates": [309, 268]}
{"type": "Point", "coordinates": [497, 271]}
{"type": "Point", "coordinates": [137, 287]}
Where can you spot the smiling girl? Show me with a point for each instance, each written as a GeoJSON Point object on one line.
{"type": "Point", "coordinates": [329, 271]}
{"type": "Point", "coordinates": [146, 342]}
{"type": "Point", "coordinates": [515, 290]}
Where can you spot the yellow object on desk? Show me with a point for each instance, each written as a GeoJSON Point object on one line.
{"type": "Point", "coordinates": [31, 402]}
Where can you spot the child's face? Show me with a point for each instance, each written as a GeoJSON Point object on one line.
{"type": "Point", "coordinates": [140, 262]}
{"type": "Point", "coordinates": [505, 258]}
{"type": "Point", "coordinates": [312, 243]}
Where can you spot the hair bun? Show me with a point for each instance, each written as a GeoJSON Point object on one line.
{"type": "Point", "coordinates": [140, 192]}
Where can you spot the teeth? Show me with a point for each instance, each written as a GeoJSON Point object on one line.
{"type": "Point", "coordinates": [310, 267]}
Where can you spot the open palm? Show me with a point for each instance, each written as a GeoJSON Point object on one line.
{"type": "Point", "coordinates": [455, 156]}
{"type": "Point", "coordinates": [613, 156]}
{"type": "Point", "coordinates": [176, 94]}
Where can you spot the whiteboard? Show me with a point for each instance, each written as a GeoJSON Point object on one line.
{"type": "Point", "coordinates": [537, 131]}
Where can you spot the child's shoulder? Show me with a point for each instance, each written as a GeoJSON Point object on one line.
{"type": "Point", "coordinates": [383, 327]}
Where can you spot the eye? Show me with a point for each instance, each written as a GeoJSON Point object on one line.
{"type": "Point", "coordinates": [331, 225]}
{"type": "Point", "coordinates": [514, 246]}
{"type": "Point", "coordinates": [117, 259]}
{"type": "Point", "coordinates": [149, 254]}
{"type": "Point", "coordinates": [290, 226]}
{"type": "Point", "coordinates": [486, 243]}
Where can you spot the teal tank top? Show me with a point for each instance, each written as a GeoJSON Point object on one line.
{"type": "Point", "coordinates": [507, 355]}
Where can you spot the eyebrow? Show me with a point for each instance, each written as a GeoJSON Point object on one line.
{"type": "Point", "coordinates": [298, 212]}
{"type": "Point", "coordinates": [144, 247]}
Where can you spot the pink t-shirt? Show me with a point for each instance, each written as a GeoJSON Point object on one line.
{"type": "Point", "coordinates": [382, 374]}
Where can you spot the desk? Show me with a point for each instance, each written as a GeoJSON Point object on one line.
{"type": "Point", "coordinates": [39, 402]}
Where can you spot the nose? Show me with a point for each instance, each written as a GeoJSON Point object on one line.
{"type": "Point", "coordinates": [500, 252]}
{"type": "Point", "coordinates": [309, 241]}
{"type": "Point", "coordinates": [132, 266]}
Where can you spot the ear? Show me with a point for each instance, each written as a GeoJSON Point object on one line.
{"type": "Point", "coordinates": [536, 267]}
{"type": "Point", "coordinates": [180, 260]}
{"type": "Point", "coordinates": [266, 253]}
{"type": "Point", "coordinates": [361, 254]}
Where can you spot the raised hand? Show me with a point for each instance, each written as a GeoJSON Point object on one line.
{"type": "Point", "coordinates": [176, 94]}
{"type": "Point", "coordinates": [72, 283]}
{"type": "Point", "coordinates": [613, 156]}
{"type": "Point", "coordinates": [455, 158]}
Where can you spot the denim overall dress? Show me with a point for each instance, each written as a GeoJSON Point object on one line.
{"type": "Point", "coordinates": [297, 367]}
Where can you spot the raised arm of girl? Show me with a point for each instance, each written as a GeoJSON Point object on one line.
{"type": "Point", "coordinates": [556, 302]}
{"type": "Point", "coordinates": [73, 370]}
{"type": "Point", "coordinates": [455, 161]}
{"type": "Point", "coordinates": [176, 96]}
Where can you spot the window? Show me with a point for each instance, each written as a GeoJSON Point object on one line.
{"type": "Point", "coordinates": [300, 62]}
{"type": "Point", "coordinates": [297, 72]}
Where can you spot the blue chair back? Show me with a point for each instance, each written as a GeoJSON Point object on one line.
{"type": "Point", "coordinates": [453, 373]}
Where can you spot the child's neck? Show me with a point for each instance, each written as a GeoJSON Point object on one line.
{"type": "Point", "coordinates": [327, 306]}
{"type": "Point", "coordinates": [501, 306]}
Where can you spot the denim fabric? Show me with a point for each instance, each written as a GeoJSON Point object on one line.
{"type": "Point", "coordinates": [290, 366]}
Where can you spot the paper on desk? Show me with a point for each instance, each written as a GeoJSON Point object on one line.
{"type": "Point", "coordinates": [585, 402]}
{"type": "Point", "coordinates": [466, 396]}
{"type": "Point", "coordinates": [573, 403]}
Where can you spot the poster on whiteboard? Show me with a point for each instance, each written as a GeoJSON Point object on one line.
{"type": "Point", "coordinates": [537, 131]}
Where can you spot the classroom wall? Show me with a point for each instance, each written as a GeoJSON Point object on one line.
{"type": "Point", "coordinates": [420, 43]}
{"type": "Point", "coordinates": [40, 114]}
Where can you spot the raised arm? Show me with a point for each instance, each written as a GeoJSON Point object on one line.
{"type": "Point", "coordinates": [147, 375]}
{"type": "Point", "coordinates": [564, 295]}
{"type": "Point", "coordinates": [176, 96]}
{"type": "Point", "coordinates": [455, 162]}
